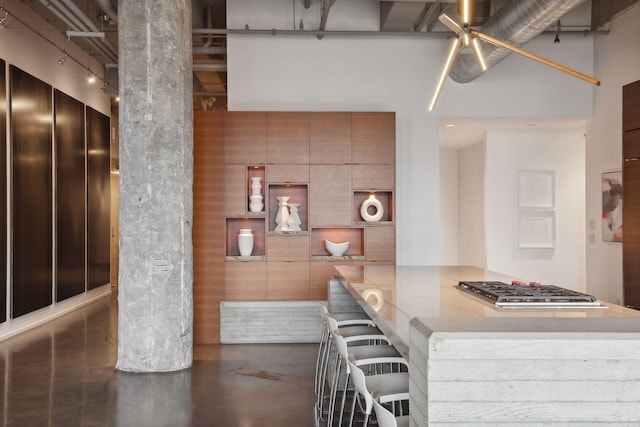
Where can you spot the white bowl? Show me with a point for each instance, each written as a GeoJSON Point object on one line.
{"type": "Point", "coordinates": [336, 249]}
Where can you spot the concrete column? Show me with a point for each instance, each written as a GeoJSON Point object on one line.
{"type": "Point", "coordinates": [155, 320]}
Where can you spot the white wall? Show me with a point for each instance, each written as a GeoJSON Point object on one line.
{"type": "Point", "coordinates": [449, 209]}
{"type": "Point", "coordinates": [31, 53]}
{"type": "Point", "coordinates": [471, 203]}
{"type": "Point", "coordinates": [617, 64]}
{"type": "Point", "coordinates": [563, 153]}
{"type": "Point", "coordinates": [398, 74]}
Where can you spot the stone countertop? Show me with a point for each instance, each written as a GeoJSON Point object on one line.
{"type": "Point", "coordinates": [427, 296]}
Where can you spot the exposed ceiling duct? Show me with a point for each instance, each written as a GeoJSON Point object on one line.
{"type": "Point", "coordinates": [517, 22]}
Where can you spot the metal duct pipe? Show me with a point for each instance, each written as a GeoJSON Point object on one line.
{"type": "Point", "coordinates": [517, 22]}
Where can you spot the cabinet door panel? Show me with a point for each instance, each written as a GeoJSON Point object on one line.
{"type": "Point", "coordinates": [373, 177]}
{"type": "Point", "coordinates": [288, 248]}
{"type": "Point", "coordinates": [373, 138]}
{"type": "Point", "coordinates": [330, 195]}
{"type": "Point", "coordinates": [631, 234]}
{"type": "Point", "coordinates": [330, 138]}
{"type": "Point", "coordinates": [319, 275]}
{"type": "Point", "coordinates": [280, 174]}
{"type": "Point", "coordinates": [380, 243]}
{"type": "Point", "coordinates": [235, 190]}
{"type": "Point", "coordinates": [288, 281]}
{"type": "Point", "coordinates": [631, 144]}
{"type": "Point", "coordinates": [245, 281]}
{"type": "Point", "coordinates": [245, 137]}
{"type": "Point", "coordinates": [288, 138]}
{"type": "Point", "coordinates": [631, 106]}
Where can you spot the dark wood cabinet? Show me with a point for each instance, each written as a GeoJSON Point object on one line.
{"type": "Point", "coordinates": [631, 197]}
{"type": "Point", "coordinates": [631, 107]}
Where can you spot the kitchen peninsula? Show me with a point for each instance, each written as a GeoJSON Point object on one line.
{"type": "Point", "coordinates": [473, 363]}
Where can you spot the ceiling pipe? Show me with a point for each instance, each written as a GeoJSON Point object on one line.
{"type": "Point", "coordinates": [517, 22]}
{"type": "Point", "coordinates": [66, 16]}
{"type": "Point", "coordinates": [89, 24]}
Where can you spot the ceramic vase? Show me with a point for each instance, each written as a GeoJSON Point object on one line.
{"type": "Point", "coordinates": [294, 219]}
{"type": "Point", "coordinates": [245, 242]}
{"type": "Point", "coordinates": [256, 199]}
{"type": "Point", "coordinates": [371, 209]}
{"type": "Point", "coordinates": [282, 217]}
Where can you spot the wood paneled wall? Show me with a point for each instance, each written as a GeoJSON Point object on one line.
{"type": "Point", "coordinates": [326, 161]}
{"type": "Point", "coordinates": [208, 225]}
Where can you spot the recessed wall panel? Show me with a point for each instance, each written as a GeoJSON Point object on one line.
{"type": "Point", "coordinates": [31, 192]}
{"type": "Point", "coordinates": [98, 198]}
{"type": "Point", "coordinates": [3, 193]}
{"type": "Point", "coordinates": [70, 150]}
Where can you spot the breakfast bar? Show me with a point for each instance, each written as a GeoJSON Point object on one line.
{"type": "Point", "coordinates": [475, 363]}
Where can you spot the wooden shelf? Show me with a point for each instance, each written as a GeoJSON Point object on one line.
{"type": "Point", "coordinates": [233, 226]}
{"type": "Point", "coordinates": [355, 236]}
{"type": "Point", "coordinates": [245, 258]}
{"type": "Point", "coordinates": [297, 193]}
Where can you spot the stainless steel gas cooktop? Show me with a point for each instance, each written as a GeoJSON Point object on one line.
{"type": "Point", "coordinates": [519, 294]}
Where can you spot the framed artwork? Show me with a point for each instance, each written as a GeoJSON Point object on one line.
{"type": "Point", "coordinates": [612, 206]}
{"type": "Point", "coordinates": [536, 228]}
{"type": "Point", "coordinates": [536, 189]}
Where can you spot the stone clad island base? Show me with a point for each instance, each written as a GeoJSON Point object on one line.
{"type": "Point", "coordinates": [472, 363]}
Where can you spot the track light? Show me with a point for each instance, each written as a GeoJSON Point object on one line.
{"type": "Point", "coordinates": [557, 39]}
{"type": "Point", "coordinates": [61, 60]}
{"type": "Point", "coordinates": [91, 78]}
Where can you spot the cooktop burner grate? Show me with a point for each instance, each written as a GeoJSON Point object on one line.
{"type": "Point", "coordinates": [506, 295]}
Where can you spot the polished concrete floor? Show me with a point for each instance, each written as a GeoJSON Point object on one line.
{"type": "Point", "coordinates": [62, 374]}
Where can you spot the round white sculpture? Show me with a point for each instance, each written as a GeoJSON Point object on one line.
{"type": "Point", "coordinates": [336, 249]}
{"type": "Point", "coordinates": [371, 209]}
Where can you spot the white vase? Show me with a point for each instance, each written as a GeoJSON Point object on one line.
{"type": "Point", "coordinates": [245, 242]}
{"type": "Point", "coordinates": [256, 199]}
{"type": "Point", "coordinates": [282, 217]}
{"type": "Point", "coordinates": [294, 219]}
{"type": "Point", "coordinates": [371, 209]}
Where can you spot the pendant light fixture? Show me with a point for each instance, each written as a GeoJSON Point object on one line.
{"type": "Point", "coordinates": [465, 36]}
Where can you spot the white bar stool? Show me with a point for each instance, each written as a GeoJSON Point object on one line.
{"type": "Point", "coordinates": [355, 326]}
{"type": "Point", "coordinates": [385, 417]}
{"type": "Point", "coordinates": [344, 319]}
{"type": "Point", "coordinates": [389, 387]}
{"type": "Point", "coordinates": [372, 355]}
